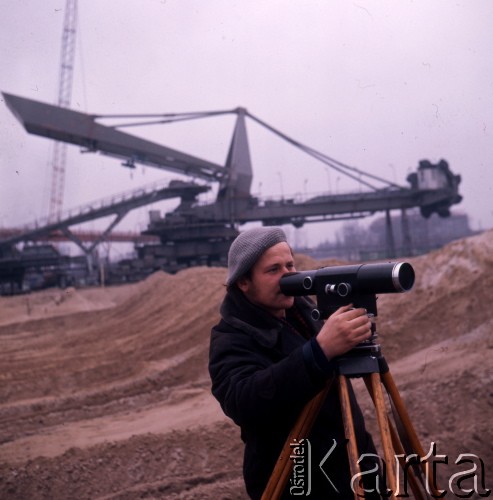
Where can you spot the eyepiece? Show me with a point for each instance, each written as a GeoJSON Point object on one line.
{"type": "Point", "coordinates": [298, 283]}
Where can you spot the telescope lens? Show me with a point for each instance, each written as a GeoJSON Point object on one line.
{"type": "Point", "coordinates": [403, 276]}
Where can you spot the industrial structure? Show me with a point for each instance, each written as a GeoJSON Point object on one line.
{"type": "Point", "coordinates": [65, 78]}
{"type": "Point", "coordinates": [199, 233]}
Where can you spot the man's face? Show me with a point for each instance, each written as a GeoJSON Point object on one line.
{"type": "Point", "coordinates": [262, 288]}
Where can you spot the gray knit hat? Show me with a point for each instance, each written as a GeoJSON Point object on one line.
{"type": "Point", "coordinates": [247, 248]}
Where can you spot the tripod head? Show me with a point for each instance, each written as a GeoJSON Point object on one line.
{"type": "Point", "coordinates": [337, 286]}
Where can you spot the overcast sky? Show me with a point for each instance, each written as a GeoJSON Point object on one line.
{"type": "Point", "coordinates": [376, 84]}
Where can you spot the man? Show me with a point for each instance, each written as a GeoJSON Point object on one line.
{"type": "Point", "coordinates": [268, 358]}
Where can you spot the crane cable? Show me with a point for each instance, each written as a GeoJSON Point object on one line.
{"type": "Point", "coordinates": [347, 170]}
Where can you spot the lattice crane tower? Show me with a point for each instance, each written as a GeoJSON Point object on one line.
{"type": "Point", "coordinates": [66, 69]}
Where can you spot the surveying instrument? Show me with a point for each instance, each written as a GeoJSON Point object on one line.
{"type": "Point", "coordinates": [358, 285]}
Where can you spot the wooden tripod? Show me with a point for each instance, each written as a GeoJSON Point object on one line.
{"type": "Point", "coordinates": [375, 372]}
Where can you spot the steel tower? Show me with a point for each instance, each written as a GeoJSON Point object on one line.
{"type": "Point", "coordinates": [59, 154]}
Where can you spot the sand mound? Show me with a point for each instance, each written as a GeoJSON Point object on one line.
{"type": "Point", "coordinates": [104, 393]}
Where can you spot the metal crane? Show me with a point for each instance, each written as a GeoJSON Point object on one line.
{"type": "Point", "coordinates": [66, 70]}
{"type": "Point", "coordinates": [201, 233]}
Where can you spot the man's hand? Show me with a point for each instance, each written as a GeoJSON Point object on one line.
{"type": "Point", "coordinates": [343, 330]}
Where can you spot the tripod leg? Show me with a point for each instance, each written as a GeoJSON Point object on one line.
{"type": "Point", "coordinates": [418, 494]}
{"type": "Point", "coordinates": [413, 482]}
{"type": "Point", "coordinates": [389, 384]}
{"type": "Point", "coordinates": [347, 418]}
{"type": "Point", "coordinates": [301, 429]}
{"type": "Point", "coordinates": [383, 424]}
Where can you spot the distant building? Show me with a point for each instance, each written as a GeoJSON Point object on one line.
{"type": "Point", "coordinates": [425, 233]}
{"type": "Point", "coordinates": [356, 242]}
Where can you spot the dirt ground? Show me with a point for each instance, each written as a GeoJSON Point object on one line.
{"type": "Point", "coordinates": [104, 393]}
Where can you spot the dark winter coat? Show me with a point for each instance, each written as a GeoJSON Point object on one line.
{"type": "Point", "coordinates": [263, 372]}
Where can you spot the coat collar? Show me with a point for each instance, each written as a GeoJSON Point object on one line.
{"type": "Point", "coordinates": [240, 313]}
